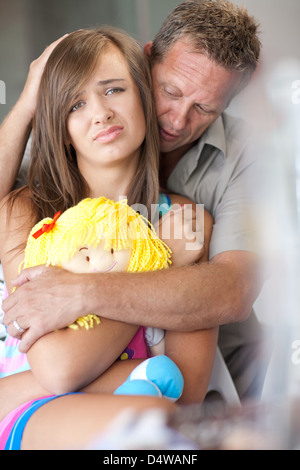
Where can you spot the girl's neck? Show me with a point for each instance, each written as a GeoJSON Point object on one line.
{"type": "Point", "coordinates": [111, 183]}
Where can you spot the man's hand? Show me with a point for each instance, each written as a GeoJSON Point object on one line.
{"type": "Point", "coordinates": [30, 91]}
{"type": "Point", "coordinates": [47, 299]}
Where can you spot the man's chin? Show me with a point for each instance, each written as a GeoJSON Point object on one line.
{"type": "Point", "coordinates": [166, 147]}
{"type": "Point", "coordinates": [176, 149]}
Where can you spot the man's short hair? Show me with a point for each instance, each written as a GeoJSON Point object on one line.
{"type": "Point", "coordinates": [222, 31]}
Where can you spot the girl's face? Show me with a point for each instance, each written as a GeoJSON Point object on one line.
{"type": "Point", "coordinates": [98, 260]}
{"type": "Point", "coordinates": [106, 123]}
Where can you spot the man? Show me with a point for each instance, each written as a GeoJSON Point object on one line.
{"type": "Point", "coordinates": [204, 54]}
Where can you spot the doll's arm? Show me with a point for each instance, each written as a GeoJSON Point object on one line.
{"type": "Point", "coordinates": [186, 228]}
{"type": "Point", "coordinates": [193, 352]}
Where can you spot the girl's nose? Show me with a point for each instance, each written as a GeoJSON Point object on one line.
{"type": "Point", "coordinates": [101, 111]}
{"type": "Point", "coordinates": [103, 116]}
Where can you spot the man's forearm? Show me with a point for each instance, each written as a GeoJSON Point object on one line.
{"type": "Point", "coordinates": [184, 299]}
{"type": "Point", "coordinates": [14, 133]}
{"type": "Point", "coordinates": [179, 299]}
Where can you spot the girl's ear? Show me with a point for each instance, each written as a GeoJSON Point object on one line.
{"type": "Point", "coordinates": [147, 49]}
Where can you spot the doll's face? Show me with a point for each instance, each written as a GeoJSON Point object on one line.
{"type": "Point", "coordinates": [98, 260]}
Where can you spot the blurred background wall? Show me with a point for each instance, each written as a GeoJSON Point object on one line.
{"type": "Point", "coordinates": [28, 26]}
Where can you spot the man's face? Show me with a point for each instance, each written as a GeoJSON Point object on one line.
{"type": "Point", "coordinates": [190, 91]}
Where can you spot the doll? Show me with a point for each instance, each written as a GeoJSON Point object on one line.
{"type": "Point", "coordinates": [96, 235]}
{"type": "Point", "coordinates": [101, 235]}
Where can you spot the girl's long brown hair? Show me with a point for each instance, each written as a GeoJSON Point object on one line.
{"type": "Point", "coordinates": [54, 180]}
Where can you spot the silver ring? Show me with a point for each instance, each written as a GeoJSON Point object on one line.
{"type": "Point", "coordinates": [18, 327]}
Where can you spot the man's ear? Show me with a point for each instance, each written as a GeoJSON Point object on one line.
{"type": "Point", "coordinates": [147, 49]}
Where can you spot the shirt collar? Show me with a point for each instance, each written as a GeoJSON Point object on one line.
{"type": "Point", "coordinates": [214, 136]}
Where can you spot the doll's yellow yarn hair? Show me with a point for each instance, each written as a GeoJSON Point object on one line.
{"type": "Point", "coordinates": [89, 222]}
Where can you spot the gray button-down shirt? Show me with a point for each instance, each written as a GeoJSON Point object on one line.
{"type": "Point", "coordinates": [218, 172]}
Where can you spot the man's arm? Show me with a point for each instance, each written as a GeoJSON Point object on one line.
{"type": "Point", "coordinates": [16, 127]}
{"type": "Point", "coordinates": [14, 133]}
{"type": "Point", "coordinates": [180, 299]}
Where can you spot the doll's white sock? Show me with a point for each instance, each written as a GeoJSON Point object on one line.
{"type": "Point", "coordinates": [157, 376]}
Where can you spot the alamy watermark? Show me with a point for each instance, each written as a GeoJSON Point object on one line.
{"type": "Point", "coordinates": [296, 353]}
{"type": "Point", "coordinates": [296, 92]}
{"type": "Point", "coordinates": [180, 222]}
{"type": "Point", "coordinates": [2, 92]}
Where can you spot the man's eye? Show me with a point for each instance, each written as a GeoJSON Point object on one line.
{"type": "Point", "coordinates": [77, 106]}
{"type": "Point", "coordinates": [202, 110]}
{"type": "Point", "coordinates": [171, 93]}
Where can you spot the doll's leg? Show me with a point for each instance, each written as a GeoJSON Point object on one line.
{"type": "Point", "coordinates": [157, 376]}
{"type": "Point", "coordinates": [75, 421]}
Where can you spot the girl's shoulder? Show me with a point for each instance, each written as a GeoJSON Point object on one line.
{"type": "Point", "coordinates": [17, 217]}
{"type": "Point", "coordinates": [16, 209]}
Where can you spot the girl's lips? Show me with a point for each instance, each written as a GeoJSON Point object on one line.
{"type": "Point", "coordinates": [109, 135]}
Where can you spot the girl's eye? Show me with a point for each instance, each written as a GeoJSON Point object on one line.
{"type": "Point", "coordinates": [77, 106]}
{"type": "Point", "coordinates": [113, 91]}
{"type": "Point", "coordinates": [87, 258]}
{"type": "Point", "coordinates": [112, 251]}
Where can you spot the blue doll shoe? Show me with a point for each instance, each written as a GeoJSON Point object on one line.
{"type": "Point", "coordinates": [157, 376]}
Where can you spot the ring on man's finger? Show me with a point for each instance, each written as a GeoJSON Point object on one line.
{"type": "Point", "coordinates": [18, 327]}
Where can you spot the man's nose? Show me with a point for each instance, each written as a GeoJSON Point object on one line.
{"type": "Point", "coordinates": [179, 117]}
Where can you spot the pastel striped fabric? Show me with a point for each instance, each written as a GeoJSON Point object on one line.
{"type": "Point", "coordinates": [12, 427]}
{"type": "Point", "coordinates": [7, 424]}
{"type": "Point", "coordinates": [11, 360]}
